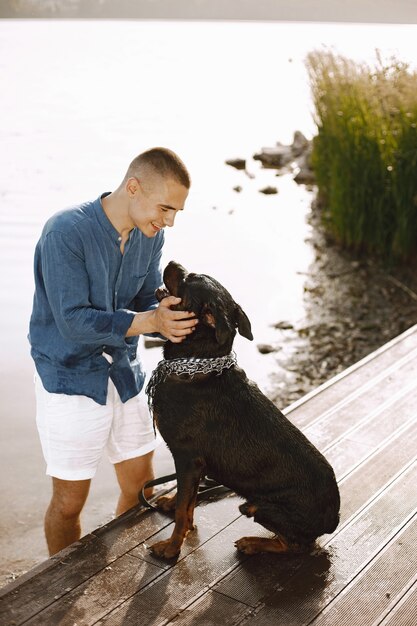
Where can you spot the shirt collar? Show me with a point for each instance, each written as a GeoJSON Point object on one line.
{"type": "Point", "coordinates": [104, 220]}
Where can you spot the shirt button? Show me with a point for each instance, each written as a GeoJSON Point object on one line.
{"type": "Point", "coordinates": [119, 239]}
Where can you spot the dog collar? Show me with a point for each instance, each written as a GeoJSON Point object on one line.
{"type": "Point", "coordinates": [191, 367]}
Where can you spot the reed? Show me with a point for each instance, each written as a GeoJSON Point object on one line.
{"type": "Point", "coordinates": [365, 152]}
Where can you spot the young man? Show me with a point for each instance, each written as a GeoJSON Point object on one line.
{"type": "Point", "coordinates": [97, 266]}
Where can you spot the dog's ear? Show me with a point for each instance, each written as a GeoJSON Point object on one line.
{"type": "Point", "coordinates": [174, 276]}
{"type": "Point", "coordinates": [161, 293]}
{"type": "Point", "coordinates": [243, 323]}
{"type": "Point", "coordinates": [214, 318]}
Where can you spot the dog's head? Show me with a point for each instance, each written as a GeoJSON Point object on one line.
{"type": "Point", "coordinates": [208, 300]}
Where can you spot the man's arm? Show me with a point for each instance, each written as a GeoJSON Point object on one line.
{"type": "Point", "coordinates": [67, 286]}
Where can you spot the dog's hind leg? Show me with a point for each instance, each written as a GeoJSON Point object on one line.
{"type": "Point", "coordinates": [288, 539]}
{"type": "Point", "coordinates": [188, 477]}
{"type": "Point", "coordinates": [167, 503]}
{"type": "Point", "coordinates": [253, 545]}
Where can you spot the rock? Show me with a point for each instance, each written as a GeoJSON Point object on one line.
{"type": "Point", "coordinates": [269, 190]}
{"type": "Point", "coordinates": [276, 157]}
{"type": "Point", "coordinates": [305, 177]}
{"type": "Point", "coordinates": [283, 325]}
{"type": "Point", "coordinates": [300, 143]}
{"type": "Point", "coordinates": [239, 164]}
{"type": "Point", "coordinates": [266, 348]}
{"type": "Point", "coordinates": [238, 188]}
{"type": "Point", "coordinates": [298, 153]}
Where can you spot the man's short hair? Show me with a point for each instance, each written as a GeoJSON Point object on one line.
{"type": "Point", "coordinates": [162, 162]}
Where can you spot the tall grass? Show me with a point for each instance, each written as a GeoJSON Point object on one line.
{"type": "Point", "coordinates": [365, 152]}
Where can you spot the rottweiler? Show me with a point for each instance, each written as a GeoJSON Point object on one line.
{"type": "Point", "coordinates": [219, 424]}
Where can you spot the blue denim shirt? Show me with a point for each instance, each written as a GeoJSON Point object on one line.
{"type": "Point", "coordinates": [86, 293]}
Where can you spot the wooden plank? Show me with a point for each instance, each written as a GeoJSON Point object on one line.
{"type": "Point", "coordinates": [357, 378]}
{"type": "Point", "coordinates": [357, 490]}
{"type": "Point", "coordinates": [351, 550]}
{"type": "Point", "coordinates": [369, 595]}
{"type": "Point", "coordinates": [97, 595]}
{"type": "Point", "coordinates": [210, 518]}
{"type": "Point", "coordinates": [77, 563]}
{"type": "Point", "coordinates": [404, 612]}
{"type": "Point", "coordinates": [353, 449]}
{"type": "Point", "coordinates": [303, 598]}
{"type": "Point", "coordinates": [131, 530]}
{"type": "Point", "coordinates": [73, 565]}
{"type": "Point", "coordinates": [182, 585]}
{"type": "Point", "coordinates": [212, 609]}
{"type": "Point", "coordinates": [296, 598]}
{"type": "Point", "coordinates": [357, 409]}
{"type": "Point", "coordinates": [373, 476]}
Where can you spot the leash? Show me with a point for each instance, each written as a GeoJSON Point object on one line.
{"type": "Point", "coordinates": [207, 487]}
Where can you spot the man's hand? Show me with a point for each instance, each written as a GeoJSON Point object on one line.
{"type": "Point", "coordinates": [174, 325]}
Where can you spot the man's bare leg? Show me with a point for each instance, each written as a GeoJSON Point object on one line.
{"type": "Point", "coordinates": [131, 475]}
{"type": "Point", "coordinates": [62, 519]}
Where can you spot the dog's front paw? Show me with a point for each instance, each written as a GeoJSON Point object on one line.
{"type": "Point", "coordinates": [165, 549]}
{"type": "Point", "coordinates": [166, 503]}
{"type": "Point", "coordinates": [247, 545]}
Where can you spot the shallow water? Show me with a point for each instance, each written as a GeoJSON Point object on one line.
{"type": "Point", "coordinates": [78, 101]}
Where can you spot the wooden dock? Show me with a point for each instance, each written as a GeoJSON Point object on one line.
{"type": "Point", "coordinates": [364, 574]}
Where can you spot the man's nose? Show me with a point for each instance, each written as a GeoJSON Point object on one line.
{"type": "Point", "coordinates": [170, 218]}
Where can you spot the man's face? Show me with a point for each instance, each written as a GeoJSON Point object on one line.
{"type": "Point", "coordinates": [156, 206]}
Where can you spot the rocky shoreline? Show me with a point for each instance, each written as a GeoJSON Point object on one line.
{"type": "Point", "coordinates": [353, 305]}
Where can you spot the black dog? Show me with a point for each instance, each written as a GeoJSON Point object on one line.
{"type": "Point", "coordinates": [217, 422]}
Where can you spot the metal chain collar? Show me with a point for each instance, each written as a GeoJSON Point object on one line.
{"type": "Point", "coordinates": [191, 367]}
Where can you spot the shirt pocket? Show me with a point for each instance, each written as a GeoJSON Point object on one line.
{"type": "Point", "coordinates": [133, 291]}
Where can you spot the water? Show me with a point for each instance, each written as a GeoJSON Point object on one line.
{"type": "Point", "coordinates": [79, 99]}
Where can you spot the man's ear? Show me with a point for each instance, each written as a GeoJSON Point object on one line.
{"type": "Point", "coordinates": [174, 276]}
{"type": "Point", "coordinates": [132, 185]}
{"type": "Point", "coordinates": [243, 323]}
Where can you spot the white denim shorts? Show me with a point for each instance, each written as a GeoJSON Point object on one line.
{"type": "Point", "coordinates": [75, 430]}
